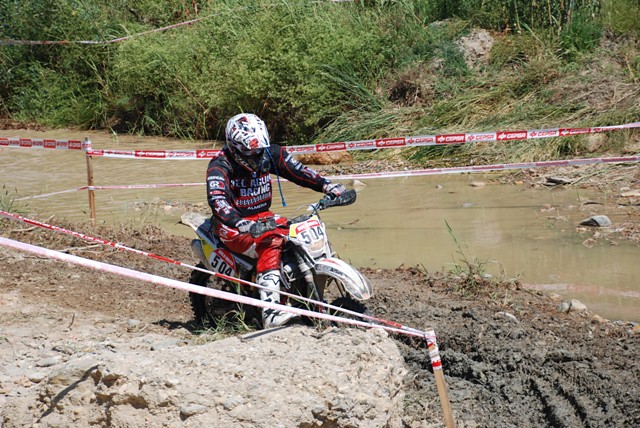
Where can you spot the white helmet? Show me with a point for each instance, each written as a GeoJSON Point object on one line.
{"type": "Point", "coordinates": [247, 138]}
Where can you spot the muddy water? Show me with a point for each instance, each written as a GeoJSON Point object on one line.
{"type": "Point", "coordinates": [438, 222]}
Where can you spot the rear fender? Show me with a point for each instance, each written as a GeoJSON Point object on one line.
{"type": "Point", "coordinates": [356, 284]}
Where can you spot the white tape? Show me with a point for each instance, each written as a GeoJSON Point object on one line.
{"type": "Point", "coordinates": [142, 276]}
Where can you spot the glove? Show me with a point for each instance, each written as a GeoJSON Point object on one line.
{"type": "Point", "coordinates": [244, 226]}
{"type": "Point", "coordinates": [333, 189]}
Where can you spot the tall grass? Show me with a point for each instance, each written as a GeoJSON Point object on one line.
{"type": "Point", "coordinates": [316, 71]}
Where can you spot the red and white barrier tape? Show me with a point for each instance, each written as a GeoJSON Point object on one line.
{"type": "Point", "coordinates": [142, 276]}
{"type": "Point", "coordinates": [391, 174]}
{"type": "Point", "coordinates": [46, 143]}
{"type": "Point", "coordinates": [448, 139]}
{"type": "Point", "coordinates": [155, 154]}
{"type": "Point", "coordinates": [118, 246]}
{"type": "Point", "coordinates": [384, 143]}
{"type": "Point", "coordinates": [143, 186]}
{"type": "Point", "coordinates": [46, 195]}
{"type": "Point", "coordinates": [487, 168]}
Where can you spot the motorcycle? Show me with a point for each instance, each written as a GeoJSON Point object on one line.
{"type": "Point", "coordinates": [309, 267]}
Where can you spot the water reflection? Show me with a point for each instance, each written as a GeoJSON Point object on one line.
{"type": "Point", "coordinates": [514, 231]}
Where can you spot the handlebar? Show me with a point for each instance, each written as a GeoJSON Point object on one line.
{"type": "Point", "coordinates": [264, 225]}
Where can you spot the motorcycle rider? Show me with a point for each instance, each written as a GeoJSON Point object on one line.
{"type": "Point", "coordinates": [239, 192]}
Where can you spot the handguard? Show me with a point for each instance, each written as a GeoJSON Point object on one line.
{"type": "Point", "coordinates": [346, 198]}
{"type": "Point", "coordinates": [262, 226]}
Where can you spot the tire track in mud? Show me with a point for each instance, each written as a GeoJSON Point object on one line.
{"type": "Point", "coordinates": [539, 369]}
{"type": "Point", "coordinates": [562, 406]}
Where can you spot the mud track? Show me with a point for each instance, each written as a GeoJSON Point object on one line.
{"type": "Point", "coordinates": [510, 358]}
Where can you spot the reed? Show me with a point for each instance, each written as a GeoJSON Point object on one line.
{"type": "Point", "coordinates": [317, 71]}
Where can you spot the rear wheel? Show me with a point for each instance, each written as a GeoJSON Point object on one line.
{"type": "Point", "coordinates": [211, 310]}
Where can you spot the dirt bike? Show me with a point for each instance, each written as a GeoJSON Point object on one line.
{"type": "Point", "coordinates": [309, 267]}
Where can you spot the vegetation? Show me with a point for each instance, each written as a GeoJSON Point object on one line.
{"type": "Point", "coordinates": [323, 70]}
{"type": "Point", "coordinates": [8, 202]}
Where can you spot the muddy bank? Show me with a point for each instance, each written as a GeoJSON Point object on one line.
{"type": "Point", "coordinates": [511, 357]}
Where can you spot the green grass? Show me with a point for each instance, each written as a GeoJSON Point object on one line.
{"type": "Point", "coordinates": [8, 202]}
{"type": "Point", "coordinates": [323, 71]}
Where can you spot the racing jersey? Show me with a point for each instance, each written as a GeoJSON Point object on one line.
{"type": "Point", "coordinates": [234, 192]}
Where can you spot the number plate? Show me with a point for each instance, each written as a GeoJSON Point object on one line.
{"type": "Point", "coordinates": [308, 232]}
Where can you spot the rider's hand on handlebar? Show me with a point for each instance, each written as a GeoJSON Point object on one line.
{"type": "Point", "coordinates": [333, 189]}
{"type": "Point", "coordinates": [244, 226]}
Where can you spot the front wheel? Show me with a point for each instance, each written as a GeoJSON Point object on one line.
{"type": "Point", "coordinates": [349, 304]}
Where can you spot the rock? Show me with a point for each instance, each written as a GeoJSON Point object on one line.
{"type": "Point", "coordinates": [563, 307]}
{"type": "Point", "coordinates": [595, 142]}
{"type": "Point", "coordinates": [558, 180]}
{"type": "Point", "coordinates": [577, 306]}
{"type": "Point", "coordinates": [630, 194]}
{"type": "Point", "coordinates": [506, 315]}
{"type": "Point", "coordinates": [596, 220]}
{"type": "Point", "coordinates": [597, 319]}
{"type": "Point", "coordinates": [476, 47]}
{"type": "Point", "coordinates": [48, 362]}
{"type": "Point", "coordinates": [288, 377]}
{"type": "Point", "coordinates": [477, 184]}
{"type": "Point", "coordinates": [358, 185]}
{"type": "Point", "coordinates": [191, 409]}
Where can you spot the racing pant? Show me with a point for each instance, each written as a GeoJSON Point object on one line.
{"type": "Point", "coordinates": [266, 248]}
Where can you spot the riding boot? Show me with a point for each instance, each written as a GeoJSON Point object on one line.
{"type": "Point", "coordinates": [271, 280]}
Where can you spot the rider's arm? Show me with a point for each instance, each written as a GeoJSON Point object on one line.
{"type": "Point", "coordinates": [219, 193]}
{"type": "Point", "coordinates": [293, 170]}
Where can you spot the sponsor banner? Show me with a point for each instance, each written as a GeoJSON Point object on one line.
{"type": "Point", "coordinates": [361, 145]}
{"type": "Point", "coordinates": [482, 136]}
{"type": "Point", "coordinates": [181, 154]}
{"type": "Point", "coordinates": [75, 145]}
{"type": "Point", "coordinates": [116, 153]}
{"type": "Point", "coordinates": [421, 140]}
{"type": "Point", "coordinates": [451, 138]}
{"type": "Point", "coordinates": [25, 143]}
{"type": "Point", "coordinates": [301, 150]}
{"type": "Point", "coordinates": [543, 133]}
{"type": "Point", "coordinates": [390, 142]}
{"type": "Point", "coordinates": [206, 153]}
{"type": "Point", "coordinates": [331, 147]}
{"type": "Point", "coordinates": [511, 135]}
{"type": "Point", "coordinates": [564, 132]}
{"type": "Point", "coordinates": [151, 154]}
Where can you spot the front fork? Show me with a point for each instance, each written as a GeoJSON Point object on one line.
{"type": "Point", "coordinates": [307, 271]}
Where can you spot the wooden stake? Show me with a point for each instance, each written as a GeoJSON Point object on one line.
{"type": "Point", "coordinates": [440, 383]}
{"type": "Point", "coordinates": [92, 197]}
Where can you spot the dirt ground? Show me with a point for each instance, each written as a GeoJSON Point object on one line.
{"type": "Point", "coordinates": [512, 357]}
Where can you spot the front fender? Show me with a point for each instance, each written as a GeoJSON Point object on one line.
{"type": "Point", "coordinates": [356, 284]}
